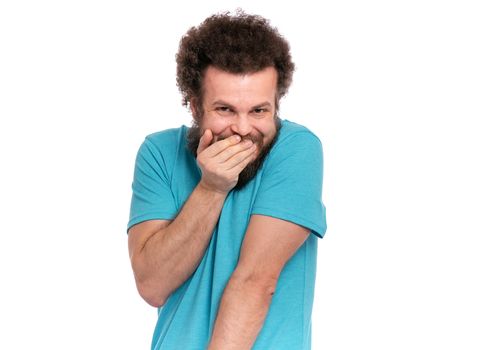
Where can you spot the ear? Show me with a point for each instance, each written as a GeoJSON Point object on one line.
{"type": "Point", "coordinates": [192, 103]}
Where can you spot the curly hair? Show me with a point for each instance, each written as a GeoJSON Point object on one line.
{"type": "Point", "coordinates": [237, 44]}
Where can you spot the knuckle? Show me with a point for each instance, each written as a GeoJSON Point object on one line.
{"type": "Point", "coordinates": [201, 163]}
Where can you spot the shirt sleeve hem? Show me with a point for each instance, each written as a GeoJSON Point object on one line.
{"type": "Point", "coordinates": [149, 216]}
{"type": "Point", "coordinates": [315, 229]}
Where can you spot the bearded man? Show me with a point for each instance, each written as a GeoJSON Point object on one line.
{"type": "Point", "coordinates": [225, 215]}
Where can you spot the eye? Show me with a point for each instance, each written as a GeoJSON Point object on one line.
{"type": "Point", "coordinates": [224, 110]}
{"type": "Point", "coordinates": [260, 110]}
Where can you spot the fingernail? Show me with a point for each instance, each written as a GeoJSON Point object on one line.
{"type": "Point", "coordinates": [237, 137]}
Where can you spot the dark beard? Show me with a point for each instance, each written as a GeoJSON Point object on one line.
{"type": "Point", "coordinates": [194, 134]}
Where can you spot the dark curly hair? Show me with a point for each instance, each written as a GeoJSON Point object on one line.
{"type": "Point", "coordinates": [236, 44]}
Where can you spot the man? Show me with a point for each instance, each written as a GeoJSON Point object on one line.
{"type": "Point", "coordinates": [225, 215]}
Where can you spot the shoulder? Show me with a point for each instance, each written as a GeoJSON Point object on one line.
{"type": "Point", "coordinates": [294, 135]}
{"type": "Point", "coordinates": [161, 147]}
{"type": "Point", "coordinates": [296, 147]}
{"type": "Point", "coordinates": [164, 139]}
{"type": "Point", "coordinates": [163, 143]}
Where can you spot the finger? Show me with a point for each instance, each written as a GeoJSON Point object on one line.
{"type": "Point", "coordinates": [241, 162]}
{"type": "Point", "coordinates": [205, 140]}
{"type": "Point", "coordinates": [239, 157]}
{"type": "Point", "coordinates": [231, 151]}
{"type": "Point", "coordinates": [221, 145]}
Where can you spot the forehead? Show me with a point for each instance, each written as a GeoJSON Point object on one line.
{"type": "Point", "coordinates": [239, 88]}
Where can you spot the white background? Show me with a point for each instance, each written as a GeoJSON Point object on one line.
{"type": "Point", "coordinates": [398, 92]}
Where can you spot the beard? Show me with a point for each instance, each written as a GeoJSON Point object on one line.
{"type": "Point", "coordinates": [248, 173]}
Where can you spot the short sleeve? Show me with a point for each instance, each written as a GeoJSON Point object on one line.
{"type": "Point", "coordinates": [152, 197]}
{"type": "Point", "coordinates": [291, 184]}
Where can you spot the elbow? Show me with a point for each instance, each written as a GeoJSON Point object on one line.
{"type": "Point", "coordinates": [258, 283]}
{"type": "Point", "coordinates": [151, 294]}
{"type": "Point", "coordinates": [148, 287]}
{"type": "Point", "coordinates": [152, 298]}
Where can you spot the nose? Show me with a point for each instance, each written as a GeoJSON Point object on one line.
{"type": "Point", "coordinates": [241, 125]}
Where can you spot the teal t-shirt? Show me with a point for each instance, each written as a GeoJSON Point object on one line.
{"type": "Point", "coordinates": [288, 186]}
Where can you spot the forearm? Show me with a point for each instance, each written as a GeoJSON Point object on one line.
{"type": "Point", "coordinates": [173, 253]}
{"type": "Point", "coordinates": [243, 309]}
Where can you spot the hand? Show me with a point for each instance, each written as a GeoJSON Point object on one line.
{"type": "Point", "coordinates": [223, 161]}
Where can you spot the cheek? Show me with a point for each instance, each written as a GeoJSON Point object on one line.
{"type": "Point", "coordinates": [268, 131]}
{"type": "Point", "coordinates": [218, 127]}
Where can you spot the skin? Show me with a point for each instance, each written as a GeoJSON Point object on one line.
{"type": "Point", "coordinates": [237, 104]}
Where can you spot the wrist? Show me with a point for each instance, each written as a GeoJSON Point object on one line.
{"type": "Point", "coordinates": [211, 191]}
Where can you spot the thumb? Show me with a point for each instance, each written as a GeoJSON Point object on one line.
{"type": "Point", "coordinates": [205, 140]}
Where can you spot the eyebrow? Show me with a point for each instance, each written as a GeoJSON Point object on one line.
{"type": "Point", "coordinates": [220, 102]}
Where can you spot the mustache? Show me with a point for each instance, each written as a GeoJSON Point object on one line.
{"type": "Point", "coordinates": [259, 141]}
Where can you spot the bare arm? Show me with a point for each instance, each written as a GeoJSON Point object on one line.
{"type": "Point", "coordinates": [268, 244]}
{"type": "Point", "coordinates": [165, 256]}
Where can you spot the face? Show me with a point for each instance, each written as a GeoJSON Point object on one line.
{"type": "Point", "coordinates": [242, 104]}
